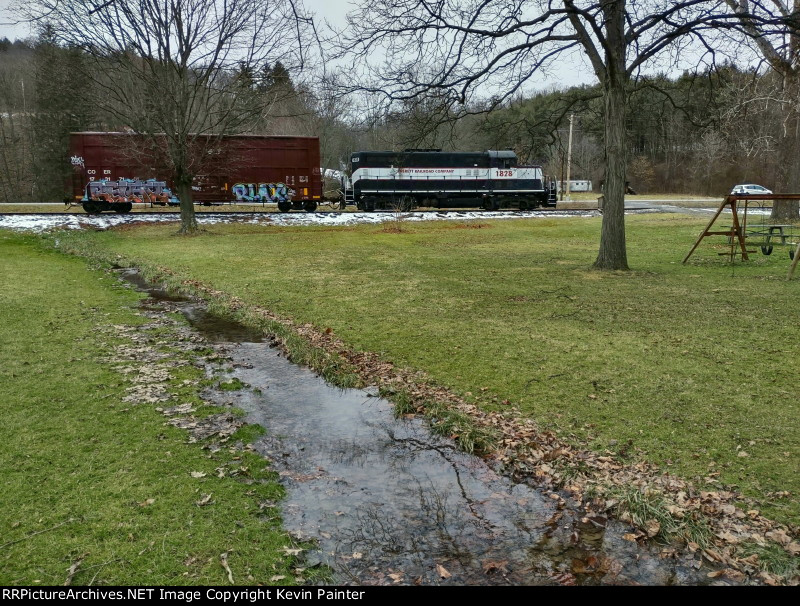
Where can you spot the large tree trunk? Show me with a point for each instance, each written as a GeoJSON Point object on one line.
{"type": "Point", "coordinates": [789, 152]}
{"type": "Point", "coordinates": [613, 254]}
{"type": "Point", "coordinates": [183, 185]}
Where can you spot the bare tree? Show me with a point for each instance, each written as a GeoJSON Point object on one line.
{"type": "Point", "coordinates": [494, 48]}
{"type": "Point", "coordinates": [710, 150]}
{"type": "Point", "coordinates": [16, 146]}
{"type": "Point", "coordinates": [774, 29]}
{"type": "Point", "coordinates": [169, 69]}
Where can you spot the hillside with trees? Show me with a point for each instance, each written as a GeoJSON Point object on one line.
{"type": "Point", "coordinates": [699, 133]}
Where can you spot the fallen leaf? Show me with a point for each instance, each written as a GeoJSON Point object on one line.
{"type": "Point", "coordinates": [277, 577]}
{"type": "Point", "coordinates": [442, 571]}
{"type": "Point", "coordinates": [494, 566]}
{"type": "Point", "coordinates": [728, 537]}
{"type": "Point", "coordinates": [289, 551]}
{"type": "Point", "coordinates": [779, 536]}
{"type": "Point", "coordinates": [147, 503]}
{"type": "Point", "coordinates": [629, 536]}
{"type": "Point", "coordinates": [73, 570]}
{"type": "Point", "coordinates": [197, 474]}
{"type": "Point", "coordinates": [734, 575]}
{"type": "Point", "coordinates": [584, 567]}
{"type": "Point", "coordinates": [742, 453]}
{"type": "Point", "coordinates": [357, 555]}
{"type": "Point", "coordinates": [652, 527]}
{"type": "Point", "coordinates": [563, 578]}
{"type": "Point", "coordinates": [223, 559]}
{"type": "Point", "coordinates": [206, 500]}
{"type": "Point", "coordinates": [770, 579]}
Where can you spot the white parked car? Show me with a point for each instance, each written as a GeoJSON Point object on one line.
{"type": "Point", "coordinates": [750, 188]}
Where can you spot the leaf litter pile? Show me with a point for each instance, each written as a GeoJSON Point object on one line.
{"type": "Point", "coordinates": [721, 527]}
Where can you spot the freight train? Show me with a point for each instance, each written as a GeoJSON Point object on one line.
{"type": "Point", "coordinates": [238, 168]}
{"type": "Point", "coordinates": [430, 177]}
{"type": "Point", "coordinates": [112, 171]}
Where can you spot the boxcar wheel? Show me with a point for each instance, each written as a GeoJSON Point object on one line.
{"type": "Point", "coordinates": [284, 207]}
{"type": "Point", "coordinates": [310, 206]}
{"type": "Point", "coordinates": [91, 208]}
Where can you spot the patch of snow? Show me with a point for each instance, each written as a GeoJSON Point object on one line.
{"type": "Point", "coordinates": [40, 223]}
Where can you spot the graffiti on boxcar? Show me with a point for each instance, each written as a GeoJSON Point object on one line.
{"type": "Point", "coordinates": [262, 192]}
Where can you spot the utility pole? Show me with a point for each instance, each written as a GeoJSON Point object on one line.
{"type": "Point", "coordinates": [569, 153]}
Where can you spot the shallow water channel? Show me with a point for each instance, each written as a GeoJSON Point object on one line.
{"type": "Point", "coordinates": [388, 502]}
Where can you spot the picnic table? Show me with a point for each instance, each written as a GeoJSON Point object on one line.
{"type": "Point", "coordinates": [767, 234]}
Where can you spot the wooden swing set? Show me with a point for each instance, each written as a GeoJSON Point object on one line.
{"type": "Point", "coordinates": [738, 232]}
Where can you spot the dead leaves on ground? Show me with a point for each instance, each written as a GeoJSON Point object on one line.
{"type": "Point", "coordinates": [494, 566]}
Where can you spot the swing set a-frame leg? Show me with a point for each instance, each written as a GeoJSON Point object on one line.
{"type": "Point", "coordinates": [794, 262]}
{"type": "Point", "coordinates": [736, 231]}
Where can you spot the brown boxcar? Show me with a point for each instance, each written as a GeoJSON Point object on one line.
{"type": "Point", "coordinates": [248, 168]}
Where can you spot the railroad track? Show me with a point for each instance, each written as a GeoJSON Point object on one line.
{"type": "Point", "coordinates": [210, 213]}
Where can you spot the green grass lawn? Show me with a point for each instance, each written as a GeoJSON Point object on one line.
{"type": "Point", "coordinates": [91, 481]}
{"type": "Point", "coordinates": [693, 367]}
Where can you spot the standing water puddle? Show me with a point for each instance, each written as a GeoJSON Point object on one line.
{"type": "Point", "coordinates": [388, 502]}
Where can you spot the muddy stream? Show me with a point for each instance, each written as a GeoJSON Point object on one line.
{"type": "Point", "coordinates": [388, 502]}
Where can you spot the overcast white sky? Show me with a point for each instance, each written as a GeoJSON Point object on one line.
{"type": "Point", "coordinates": [570, 73]}
{"type": "Point", "coordinates": [332, 10]}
